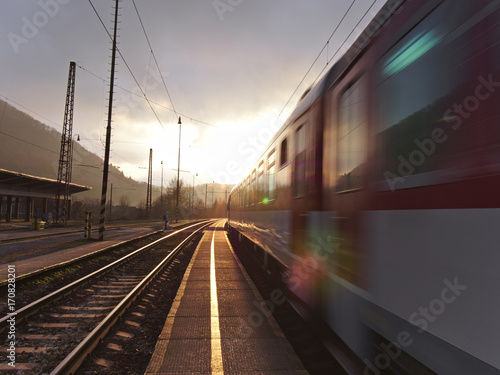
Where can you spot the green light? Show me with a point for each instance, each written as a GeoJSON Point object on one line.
{"type": "Point", "coordinates": [413, 50]}
{"type": "Point", "coordinates": [265, 200]}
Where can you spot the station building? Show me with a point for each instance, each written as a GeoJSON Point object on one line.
{"type": "Point", "coordinates": [26, 198]}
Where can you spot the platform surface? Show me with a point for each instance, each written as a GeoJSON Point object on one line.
{"type": "Point", "coordinates": [218, 323]}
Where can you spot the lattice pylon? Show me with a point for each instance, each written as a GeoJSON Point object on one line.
{"type": "Point", "coordinates": [62, 198]}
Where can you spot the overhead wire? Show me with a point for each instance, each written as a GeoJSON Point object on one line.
{"type": "Point", "coordinates": [149, 70]}
{"type": "Point", "coordinates": [152, 101]}
{"type": "Point", "coordinates": [30, 110]}
{"type": "Point", "coordinates": [39, 115]}
{"type": "Point", "coordinates": [345, 40]}
{"type": "Point", "coordinates": [144, 96]}
{"type": "Point", "coordinates": [128, 67]}
{"type": "Point", "coordinates": [136, 81]}
{"type": "Point", "coordinates": [30, 143]}
{"type": "Point", "coordinates": [42, 147]}
{"type": "Point", "coordinates": [316, 59]}
{"type": "Point", "coordinates": [154, 56]}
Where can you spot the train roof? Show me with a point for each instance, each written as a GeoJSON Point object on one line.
{"type": "Point", "coordinates": [335, 72]}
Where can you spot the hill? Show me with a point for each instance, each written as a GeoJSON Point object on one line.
{"type": "Point", "coordinates": [29, 146]}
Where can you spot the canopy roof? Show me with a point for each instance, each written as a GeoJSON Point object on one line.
{"type": "Point", "coordinates": [24, 185]}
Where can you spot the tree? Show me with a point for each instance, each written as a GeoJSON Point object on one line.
{"type": "Point", "coordinates": [124, 201]}
{"type": "Point", "coordinates": [77, 211]}
{"type": "Point", "coordinates": [141, 209]}
{"type": "Point", "coordinates": [184, 198]}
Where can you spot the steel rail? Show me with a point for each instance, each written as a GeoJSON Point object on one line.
{"type": "Point", "coordinates": [73, 361]}
{"type": "Point", "coordinates": [33, 307]}
{"type": "Point", "coordinates": [54, 267]}
{"type": "Point", "coordinates": [48, 234]}
{"type": "Point", "coordinates": [68, 263]}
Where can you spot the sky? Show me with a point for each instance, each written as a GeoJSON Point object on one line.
{"type": "Point", "coordinates": [231, 68]}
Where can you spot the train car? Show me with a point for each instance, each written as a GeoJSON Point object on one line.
{"type": "Point", "coordinates": [377, 199]}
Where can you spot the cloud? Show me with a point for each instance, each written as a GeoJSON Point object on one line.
{"type": "Point", "coordinates": [235, 72]}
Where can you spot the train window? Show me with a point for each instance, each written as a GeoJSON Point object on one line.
{"type": "Point", "coordinates": [284, 152]}
{"type": "Point", "coordinates": [243, 193]}
{"type": "Point", "coordinates": [352, 137]}
{"type": "Point", "coordinates": [419, 80]}
{"type": "Point", "coordinates": [253, 188]}
{"type": "Point", "coordinates": [260, 182]}
{"type": "Point", "coordinates": [271, 177]}
{"type": "Point", "coordinates": [299, 175]}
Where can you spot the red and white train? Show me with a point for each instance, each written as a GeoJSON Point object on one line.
{"type": "Point", "coordinates": [379, 198]}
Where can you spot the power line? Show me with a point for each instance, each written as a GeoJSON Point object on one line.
{"type": "Point", "coordinates": [39, 115]}
{"type": "Point", "coordinates": [152, 101]}
{"type": "Point", "coordinates": [29, 110]}
{"type": "Point", "coordinates": [345, 40]}
{"type": "Point", "coordinates": [136, 81]}
{"type": "Point", "coordinates": [317, 57]}
{"type": "Point", "coordinates": [32, 144]}
{"type": "Point", "coordinates": [154, 58]}
{"type": "Point", "coordinates": [126, 64]}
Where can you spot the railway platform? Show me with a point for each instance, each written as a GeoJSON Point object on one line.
{"type": "Point", "coordinates": [218, 322]}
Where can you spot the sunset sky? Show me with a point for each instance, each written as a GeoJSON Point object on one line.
{"type": "Point", "coordinates": [230, 66]}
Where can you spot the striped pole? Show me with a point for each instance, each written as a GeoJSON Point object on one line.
{"type": "Point", "coordinates": [85, 232]}
{"type": "Point", "coordinates": [108, 132]}
{"type": "Point", "coordinates": [88, 225]}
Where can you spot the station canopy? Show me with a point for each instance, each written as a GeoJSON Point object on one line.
{"type": "Point", "coordinates": [24, 185]}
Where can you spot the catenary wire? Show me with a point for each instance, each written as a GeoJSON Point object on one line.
{"type": "Point", "coordinates": [317, 57]}
{"type": "Point", "coordinates": [154, 58]}
{"type": "Point", "coordinates": [345, 40]}
{"type": "Point", "coordinates": [152, 101]}
{"type": "Point", "coordinates": [128, 67]}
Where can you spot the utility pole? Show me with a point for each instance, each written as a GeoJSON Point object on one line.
{"type": "Point", "coordinates": [206, 192]}
{"type": "Point", "coordinates": [111, 203]}
{"type": "Point", "coordinates": [149, 193]}
{"type": "Point", "coordinates": [178, 170]}
{"type": "Point", "coordinates": [108, 131]}
{"type": "Point", "coordinates": [66, 153]}
{"type": "Point", "coordinates": [161, 188]}
{"type": "Point", "coordinates": [192, 195]}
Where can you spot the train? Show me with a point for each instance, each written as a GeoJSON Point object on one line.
{"type": "Point", "coordinates": [377, 201]}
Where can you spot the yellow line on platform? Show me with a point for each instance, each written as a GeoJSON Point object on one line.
{"type": "Point", "coordinates": [217, 366]}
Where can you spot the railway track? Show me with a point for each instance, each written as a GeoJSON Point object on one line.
{"type": "Point", "coordinates": [55, 333]}
{"type": "Point", "coordinates": [79, 230]}
{"type": "Point", "coordinates": [35, 285]}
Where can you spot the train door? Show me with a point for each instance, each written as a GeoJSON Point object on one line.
{"type": "Point", "coordinates": [351, 157]}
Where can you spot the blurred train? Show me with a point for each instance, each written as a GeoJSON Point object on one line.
{"type": "Point", "coordinates": [378, 200]}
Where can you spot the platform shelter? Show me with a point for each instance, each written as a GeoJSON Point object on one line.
{"type": "Point", "coordinates": [26, 197]}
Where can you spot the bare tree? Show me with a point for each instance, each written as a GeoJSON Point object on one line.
{"type": "Point", "coordinates": [124, 201]}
